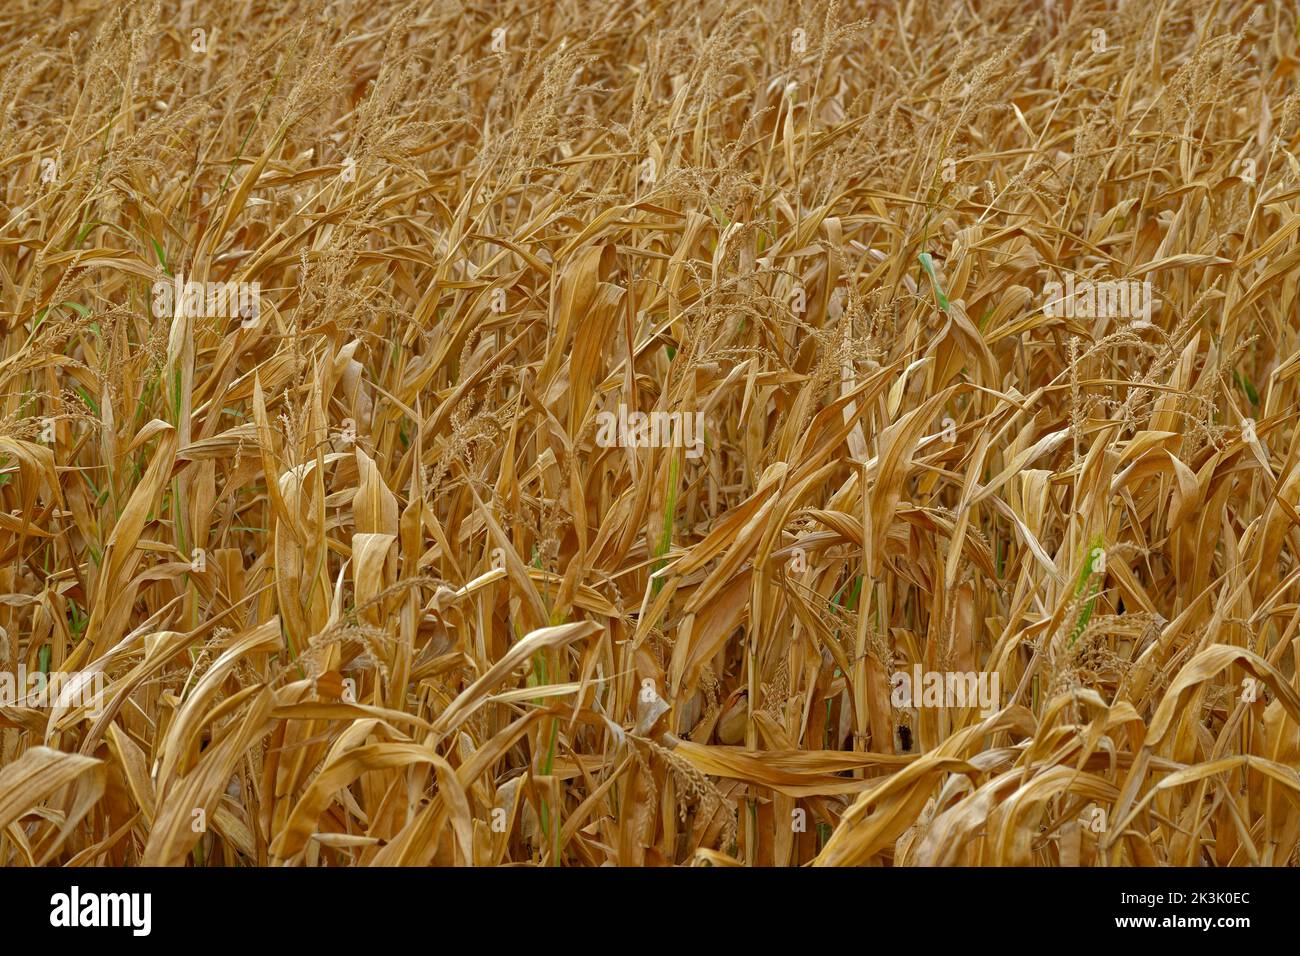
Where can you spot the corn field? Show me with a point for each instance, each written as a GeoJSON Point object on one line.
{"type": "Point", "coordinates": [611, 433]}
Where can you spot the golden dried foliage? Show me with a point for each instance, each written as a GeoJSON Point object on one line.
{"type": "Point", "coordinates": [362, 581]}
